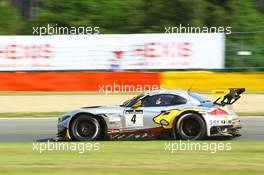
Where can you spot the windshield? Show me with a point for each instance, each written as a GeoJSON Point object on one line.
{"type": "Point", "coordinates": [200, 98]}
{"type": "Point", "coordinates": [130, 102]}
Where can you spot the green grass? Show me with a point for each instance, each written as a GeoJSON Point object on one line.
{"type": "Point", "coordinates": [133, 157]}
{"type": "Point", "coordinates": [241, 114]}
{"type": "Point", "coordinates": [57, 114]}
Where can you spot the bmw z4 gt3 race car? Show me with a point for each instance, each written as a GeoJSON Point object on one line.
{"type": "Point", "coordinates": [161, 114]}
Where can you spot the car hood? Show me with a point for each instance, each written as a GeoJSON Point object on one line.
{"type": "Point", "coordinates": [102, 109]}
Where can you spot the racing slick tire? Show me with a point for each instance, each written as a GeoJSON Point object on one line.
{"type": "Point", "coordinates": [84, 128]}
{"type": "Point", "coordinates": [190, 126]}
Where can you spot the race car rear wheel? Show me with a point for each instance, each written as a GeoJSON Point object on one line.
{"type": "Point", "coordinates": [190, 126]}
{"type": "Point", "coordinates": [85, 128]}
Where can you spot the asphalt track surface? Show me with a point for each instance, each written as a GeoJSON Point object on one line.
{"type": "Point", "coordinates": [36, 129]}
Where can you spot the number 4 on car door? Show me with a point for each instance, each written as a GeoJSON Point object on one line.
{"type": "Point", "coordinates": [134, 118]}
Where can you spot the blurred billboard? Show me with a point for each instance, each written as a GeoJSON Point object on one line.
{"type": "Point", "coordinates": [112, 52]}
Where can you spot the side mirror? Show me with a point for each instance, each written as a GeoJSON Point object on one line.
{"type": "Point", "coordinates": [137, 104]}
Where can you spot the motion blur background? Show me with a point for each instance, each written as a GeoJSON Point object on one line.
{"type": "Point", "coordinates": [45, 76]}
{"type": "Point", "coordinates": [82, 63]}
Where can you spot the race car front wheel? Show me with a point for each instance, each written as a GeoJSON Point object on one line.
{"type": "Point", "coordinates": [85, 128]}
{"type": "Point", "coordinates": [190, 126]}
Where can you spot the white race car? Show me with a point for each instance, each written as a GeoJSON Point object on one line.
{"type": "Point", "coordinates": [161, 114]}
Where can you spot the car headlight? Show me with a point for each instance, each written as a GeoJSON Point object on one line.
{"type": "Point", "coordinates": [64, 117]}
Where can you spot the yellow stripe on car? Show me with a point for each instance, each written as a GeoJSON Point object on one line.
{"type": "Point", "coordinates": [166, 118]}
{"type": "Point", "coordinates": [67, 135]}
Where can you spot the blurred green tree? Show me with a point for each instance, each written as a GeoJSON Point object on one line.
{"type": "Point", "coordinates": [144, 16]}
{"type": "Point", "coordinates": [113, 16]}
{"type": "Point", "coordinates": [10, 21]}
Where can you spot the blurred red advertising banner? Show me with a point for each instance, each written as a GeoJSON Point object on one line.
{"type": "Point", "coordinates": [78, 81]}
{"type": "Point", "coordinates": [112, 52]}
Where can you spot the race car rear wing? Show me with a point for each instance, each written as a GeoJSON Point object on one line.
{"type": "Point", "coordinates": [228, 96]}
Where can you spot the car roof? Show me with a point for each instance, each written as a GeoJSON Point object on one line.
{"type": "Point", "coordinates": [169, 91]}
